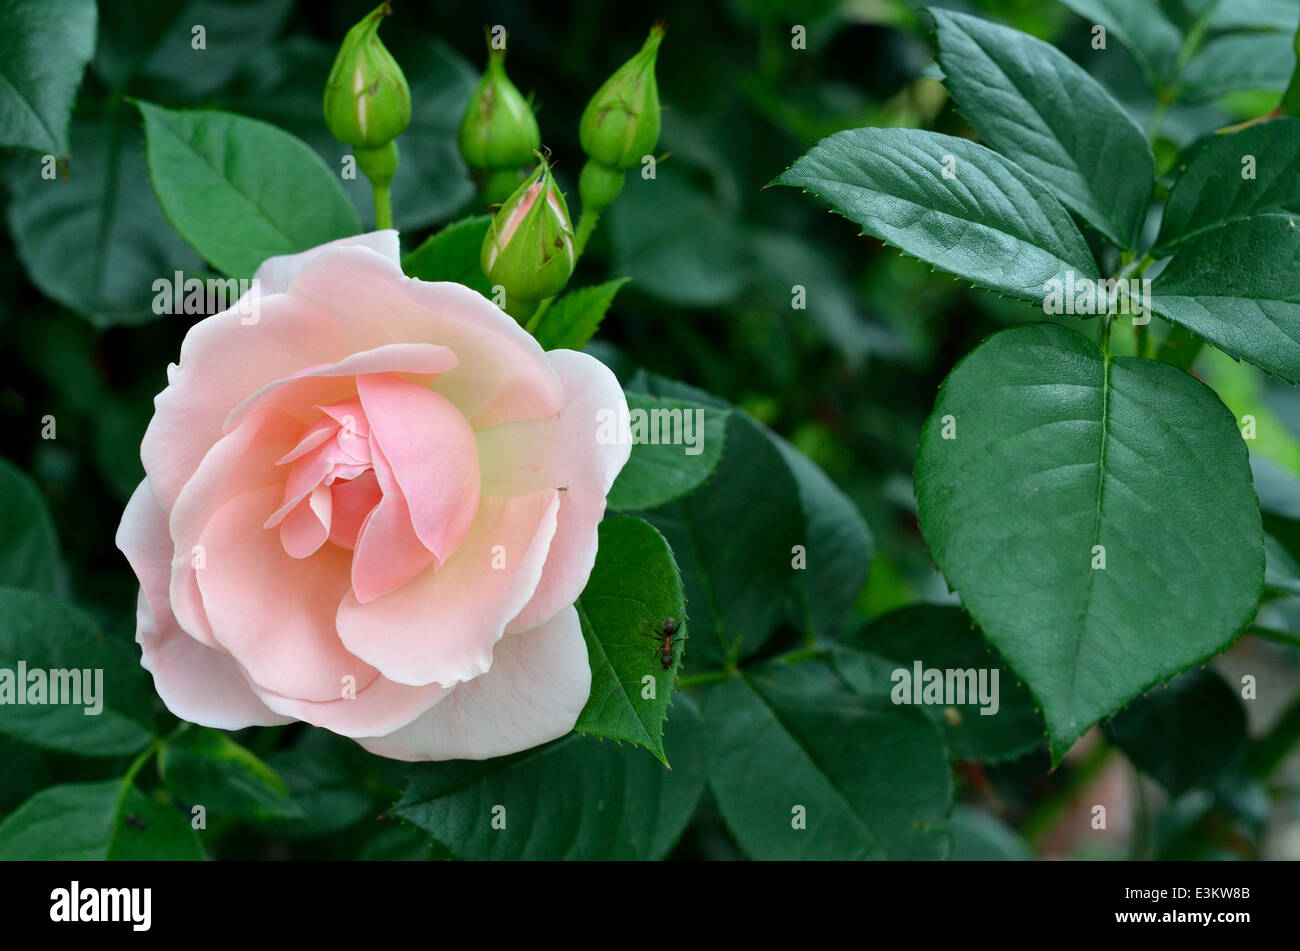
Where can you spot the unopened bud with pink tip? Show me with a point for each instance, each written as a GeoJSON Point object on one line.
{"type": "Point", "coordinates": [528, 249]}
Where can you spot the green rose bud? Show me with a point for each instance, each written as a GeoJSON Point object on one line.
{"type": "Point", "coordinates": [367, 101]}
{"type": "Point", "coordinates": [499, 130]}
{"type": "Point", "coordinates": [621, 123]}
{"type": "Point", "coordinates": [528, 249]}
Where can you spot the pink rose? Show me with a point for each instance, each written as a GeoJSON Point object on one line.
{"type": "Point", "coordinates": [372, 510]}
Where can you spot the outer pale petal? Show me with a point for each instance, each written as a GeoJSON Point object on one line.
{"type": "Point", "coordinates": [503, 373]}
{"type": "Point", "coordinates": [380, 707]}
{"type": "Point", "coordinates": [196, 683]}
{"type": "Point", "coordinates": [586, 461]}
{"type": "Point", "coordinates": [226, 357]}
{"type": "Point", "coordinates": [538, 684]}
{"type": "Point", "coordinates": [440, 626]}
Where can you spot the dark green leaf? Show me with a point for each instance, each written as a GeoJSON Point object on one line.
{"type": "Point", "coordinates": [207, 768]}
{"type": "Point", "coordinates": [236, 188]}
{"type": "Point", "coordinates": [1059, 449]}
{"type": "Point", "coordinates": [29, 549]}
{"type": "Point", "coordinates": [1030, 102]}
{"type": "Point", "coordinates": [47, 635]}
{"type": "Point", "coordinates": [735, 556]}
{"type": "Point", "coordinates": [44, 48]}
{"type": "Point", "coordinates": [1185, 734]}
{"type": "Point", "coordinates": [452, 255]}
{"type": "Point", "coordinates": [96, 821]}
{"type": "Point", "coordinates": [152, 42]}
{"type": "Point", "coordinates": [978, 836]}
{"type": "Point", "coordinates": [574, 318]}
{"type": "Point", "coordinates": [574, 798]}
{"type": "Point", "coordinates": [837, 546]}
{"type": "Point", "coordinates": [661, 470]}
{"type": "Point", "coordinates": [1234, 176]}
{"type": "Point", "coordinates": [1142, 27]}
{"type": "Point", "coordinates": [1239, 61]}
{"type": "Point", "coordinates": [96, 241]}
{"type": "Point", "coordinates": [634, 586]}
{"type": "Point", "coordinates": [942, 637]}
{"type": "Point", "coordinates": [1238, 286]}
{"type": "Point", "coordinates": [870, 779]}
{"type": "Point", "coordinates": [990, 222]}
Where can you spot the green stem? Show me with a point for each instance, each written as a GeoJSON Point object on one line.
{"type": "Point", "coordinates": [536, 319]}
{"type": "Point", "coordinates": [1278, 637]}
{"type": "Point", "coordinates": [586, 225]}
{"type": "Point", "coordinates": [708, 677]}
{"type": "Point", "coordinates": [383, 205]}
{"type": "Point", "coordinates": [133, 770]}
{"type": "Point", "coordinates": [1180, 348]}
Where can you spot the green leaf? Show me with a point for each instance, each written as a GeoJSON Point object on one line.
{"type": "Point", "coordinates": [1281, 572]}
{"type": "Point", "coordinates": [978, 836]}
{"type": "Point", "coordinates": [207, 768]}
{"type": "Point", "coordinates": [1238, 286]}
{"type": "Point", "coordinates": [634, 586]}
{"type": "Point", "coordinates": [942, 637]}
{"type": "Point", "coordinates": [1239, 61]}
{"type": "Point", "coordinates": [677, 241]}
{"type": "Point", "coordinates": [44, 48]}
{"type": "Point", "coordinates": [574, 318]}
{"type": "Point", "coordinates": [1213, 188]}
{"type": "Point", "coordinates": [149, 830]}
{"type": "Point", "coordinates": [1252, 14]}
{"type": "Point", "coordinates": [837, 546]}
{"type": "Point", "coordinates": [660, 469]}
{"type": "Point", "coordinates": [871, 778]}
{"type": "Point", "coordinates": [96, 240]}
{"type": "Point", "coordinates": [1291, 97]}
{"type": "Point", "coordinates": [1142, 27]}
{"type": "Point", "coordinates": [29, 548]}
{"type": "Point", "coordinates": [574, 798]}
{"type": "Point", "coordinates": [329, 778]}
{"type": "Point", "coordinates": [1034, 105]}
{"type": "Point", "coordinates": [149, 44]}
{"type": "Point", "coordinates": [452, 255]}
{"type": "Point", "coordinates": [236, 188]}
{"type": "Point", "coordinates": [47, 635]}
{"type": "Point", "coordinates": [735, 556]}
{"type": "Point", "coordinates": [1060, 449]}
{"type": "Point", "coordinates": [1188, 733]}
{"type": "Point", "coordinates": [990, 223]}
{"type": "Point", "coordinates": [89, 822]}
{"type": "Point", "coordinates": [23, 771]}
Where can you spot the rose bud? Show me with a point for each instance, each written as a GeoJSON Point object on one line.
{"type": "Point", "coordinates": [367, 101]}
{"type": "Point", "coordinates": [528, 249]}
{"type": "Point", "coordinates": [499, 130]}
{"type": "Point", "coordinates": [621, 123]}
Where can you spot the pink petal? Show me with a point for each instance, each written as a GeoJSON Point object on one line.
{"type": "Point", "coordinates": [441, 626]}
{"type": "Point", "coordinates": [502, 374]}
{"type": "Point", "coordinates": [587, 462]}
{"type": "Point", "coordinates": [275, 613]}
{"type": "Point", "coordinates": [353, 501]}
{"type": "Point", "coordinates": [320, 432]}
{"type": "Point", "coordinates": [308, 526]}
{"type": "Point", "coordinates": [380, 707]}
{"type": "Point", "coordinates": [431, 451]}
{"type": "Point", "coordinates": [277, 272]}
{"type": "Point", "coordinates": [196, 683]}
{"type": "Point", "coordinates": [305, 391]}
{"type": "Point", "coordinates": [538, 684]}
{"type": "Point", "coordinates": [240, 462]}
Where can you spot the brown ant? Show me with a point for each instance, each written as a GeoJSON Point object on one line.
{"type": "Point", "coordinates": [136, 821]}
{"type": "Point", "coordinates": [666, 634]}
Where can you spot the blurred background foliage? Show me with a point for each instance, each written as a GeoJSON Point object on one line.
{"type": "Point", "coordinates": [714, 256]}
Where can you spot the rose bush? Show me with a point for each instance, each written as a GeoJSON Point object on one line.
{"type": "Point", "coordinates": [372, 509]}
